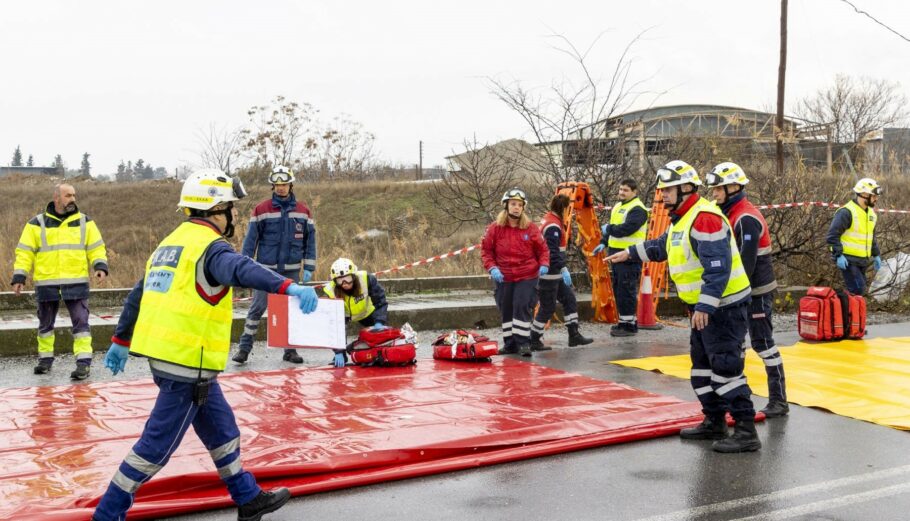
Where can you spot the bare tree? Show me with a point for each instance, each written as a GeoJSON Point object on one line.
{"type": "Point", "coordinates": [342, 147]}
{"type": "Point", "coordinates": [275, 130]}
{"type": "Point", "coordinates": [472, 191]}
{"type": "Point", "coordinates": [219, 147]}
{"type": "Point", "coordinates": [855, 107]}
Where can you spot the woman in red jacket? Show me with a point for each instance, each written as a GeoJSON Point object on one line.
{"type": "Point", "coordinates": [515, 255]}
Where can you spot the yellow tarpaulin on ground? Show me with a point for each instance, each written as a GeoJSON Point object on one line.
{"type": "Point", "coordinates": [864, 379]}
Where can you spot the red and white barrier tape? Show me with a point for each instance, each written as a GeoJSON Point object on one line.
{"type": "Point", "coordinates": [429, 260]}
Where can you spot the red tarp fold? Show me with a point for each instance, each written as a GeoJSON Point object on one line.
{"type": "Point", "coordinates": [314, 430]}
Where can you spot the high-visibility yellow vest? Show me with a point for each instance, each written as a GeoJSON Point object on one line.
{"type": "Point", "coordinates": [618, 216]}
{"type": "Point", "coordinates": [686, 269]}
{"type": "Point", "coordinates": [359, 307]}
{"type": "Point", "coordinates": [857, 239]}
{"type": "Point", "coordinates": [175, 323]}
{"type": "Point", "coordinates": [60, 251]}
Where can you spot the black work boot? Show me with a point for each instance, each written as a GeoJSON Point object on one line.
{"type": "Point", "coordinates": [576, 338]}
{"type": "Point", "coordinates": [711, 428]}
{"type": "Point", "coordinates": [524, 350]}
{"type": "Point", "coordinates": [44, 365]}
{"type": "Point", "coordinates": [624, 329]}
{"type": "Point", "coordinates": [536, 344]}
{"type": "Point", "coordinates": [744, 439]}
{"type": "Point", "coordinates": [241, 356]}
{"type": "Point", "coordinates": [81, 373]}
{"type": "Point", "coordinates": [508, 348]}
{"type": "Point", "coordinates": [776, 409]}
{"type": "Point", "coordinates": [290, 355]}
{"type": "Point", "coordinates": [262, 504]}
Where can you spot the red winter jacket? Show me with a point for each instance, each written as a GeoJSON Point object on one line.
{"type": "Point", "coordinates": [517, 253]}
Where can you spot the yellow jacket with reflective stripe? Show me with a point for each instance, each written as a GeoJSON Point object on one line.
{"type": "Point", "coordinates": [359, 307]}
{"type": "Point", "coordinates": [857, 239]}
{"type": "Point", "coordinates": [59, 251]}
{"type": "Point", "coordinates": [175, 323]}
{"type": "Point", "coordinates": [686, 269]}
{"type": "Point", "coordinates": [618, 216]}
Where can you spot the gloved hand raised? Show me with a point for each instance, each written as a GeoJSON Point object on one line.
{"type": "Point", "coordinates": [877, 262]}
{"type": "Point", "coordinates": [597, 249]}
{"type": "Point", "coordinates": [605, 229]}
{"type": "Point", "coordinates": [116, 357]}
{"type": "Point", "coordinates": [842, 262]}
{"type": "Point", "coordinates": [566, 277]}
{"type": "Point", "coordinates": [543, 271]}
{"type": "Point", "coordinates": [496, 275]}
{"type": "Point", "coordinates": [307, 276]}
{"type": "Point", "coordinates": [340, 359]}
{"type": "Point", "coordinates": [307, 296]}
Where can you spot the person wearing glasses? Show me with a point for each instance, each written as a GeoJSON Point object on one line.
{"type": "Point", "coordinates": [709, 276]}
{"type": "Point", "coordinates": [851, 237]}
{"type": "Point", "coordinates": [282, 237]}
{"type": "Point", "coordinates": [516, 256]}
{"type": "Point", "coordinates": [179, 317]}
{"type": "Point", "coordinates": [628, 226]}
{"type": "Point", "coordinates": [727, 182]}
{"type": "Point", "coordinates": [556, 285]}
{"type": "Point", "coordinates": [364, 298]}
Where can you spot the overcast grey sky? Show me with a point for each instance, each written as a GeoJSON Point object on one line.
{"type": "Point", "coordinates": [124, 80]}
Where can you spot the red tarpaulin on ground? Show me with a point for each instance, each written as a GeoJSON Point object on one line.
{"type": "Point", "coordinates": [316, 429]}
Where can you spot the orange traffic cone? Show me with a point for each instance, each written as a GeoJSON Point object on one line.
{"type": "Point", "coordinates": [647, 318]}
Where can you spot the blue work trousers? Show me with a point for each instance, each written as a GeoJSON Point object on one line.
{"type": "Point", "coordinates": [855, 278]}
{"type": "Point", "coordinates": [257, 308]}
{"type": "Point", "coordinates": [171, 417]}
{"type": "Point", "coordinates": [626, 277]}
{"type": "Point", "coordinates": [761, 334]}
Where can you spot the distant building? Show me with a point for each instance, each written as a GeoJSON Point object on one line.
{"type": "Point", "coordinates": [49, 171]}
{"type": "Point", "coordinates": [515, 156]}
{"type": "Point", "coordinates": [887, 150]}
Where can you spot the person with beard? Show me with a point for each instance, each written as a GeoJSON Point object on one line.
{"type": "Point", "coordinates": [708, 273]}
{"type": "Point", "coordinates": [556, 285]}
{"type": "Point", "coordinates": [727, 182]}
{"type": "Point", "coordinates": [516, 256]}
{"type": "Point", "coordinates": [61, 244]}
{"type": "Point", "coordinates": [364, 298]}
{"type": "Point", "coordinates": [851, 237]}
{"type": "Point", "coordinates": [179, 317]}
{"type": "Point", "coordinates": [282, 237]}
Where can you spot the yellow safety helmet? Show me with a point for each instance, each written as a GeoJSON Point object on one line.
{"type": "Point", "coordinates": [677, 173]}
{"type": "Point", "coordinates": [726, 174]}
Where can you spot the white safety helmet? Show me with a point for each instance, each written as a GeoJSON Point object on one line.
{"type": "Point", "coordinates": [515, 194]}
{"type": "Point", "coordinates": [867, 185]}
{"type": "Point", "coordinates": [281, 175]}
{"type": "Point", "coordinates": [342, 267]}
{"type": "Point", "coordinates": [677, 173]}
{"type": "Point", "coordinates": [726, 174]}
{"type": "Point", "coordinates": [205, 189]}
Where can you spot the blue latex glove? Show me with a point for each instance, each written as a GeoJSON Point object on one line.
{"type": "Point", "coordinates": [597, 249]}
{"type": "Point", "coordinates": [842, 262]}
{"type": "Point", "coordinates": [379, 326]}
{"type": "Point", "coordinates": [496, 275]}
{"type": "Point", "coordinates": [340, 359]}
{"type": "Point", "coordinates": [603, 229]}
{"type": "Point", "coordinates": [877, 262]}
{"type": "Point", "coordinates": [543, 271]}
{"type": "Point", "coordinates": [116, 357]}
{"type": "Point", "coordinates": [307, 276]}
{"type": "Point", "coordinates": [307, 296]}
{"type": "Point", "coordinates": [566, 277]}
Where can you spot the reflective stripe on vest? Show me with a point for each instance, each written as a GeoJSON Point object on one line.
{"type": "Point", "coordinates": [686, 269]}
{"type": "Point", "coordinates": [618, 216]}
{"type": "Point", "coordinates": [357, 308]}
{"type": "Point", "coordinates": [61, 258]}
{"type": "Point", "coordinates": [857, 239]}
{"type": "Point", "coordinates": [175, 323]}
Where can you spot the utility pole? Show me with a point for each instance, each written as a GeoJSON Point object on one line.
{"type": "Point", "coordinates": [781, 77]}
{"type": "Point", "coordinates": [420, 163]}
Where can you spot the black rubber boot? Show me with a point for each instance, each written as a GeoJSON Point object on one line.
{"type": "Point", "coordinates": [776, 409]}
{"type": "Point", "coordinates": [576, 338]}
{"type": "Point", "coordinates": [624, 329]}
{"type": "Point", "coordinates": [241, 356]}
{"type": "Point", "coordinates": [524, 350]}
{"type": "Point", "coordinates": [44, 365]}
{"type": "Point", "coordinates": [508, 348]}
{"type": "Point", "coordinates": [536, 344]}
{"type": "Point", "coordinates": [711, 428]}
{"type": "Point", "coordinates": [290, 355]}
{"type": "Point", "coordinates": [262, 504]}
{"type": "Point", "coordinates": [744, 439]}
{"type": "Point", "coordinates": [81, 373]}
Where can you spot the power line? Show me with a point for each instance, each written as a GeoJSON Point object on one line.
{"type": "Point", "coordinates": [860, 11]}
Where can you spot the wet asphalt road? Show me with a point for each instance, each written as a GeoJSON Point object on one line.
{"type": "Point", "coordinates": [814, 465]}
